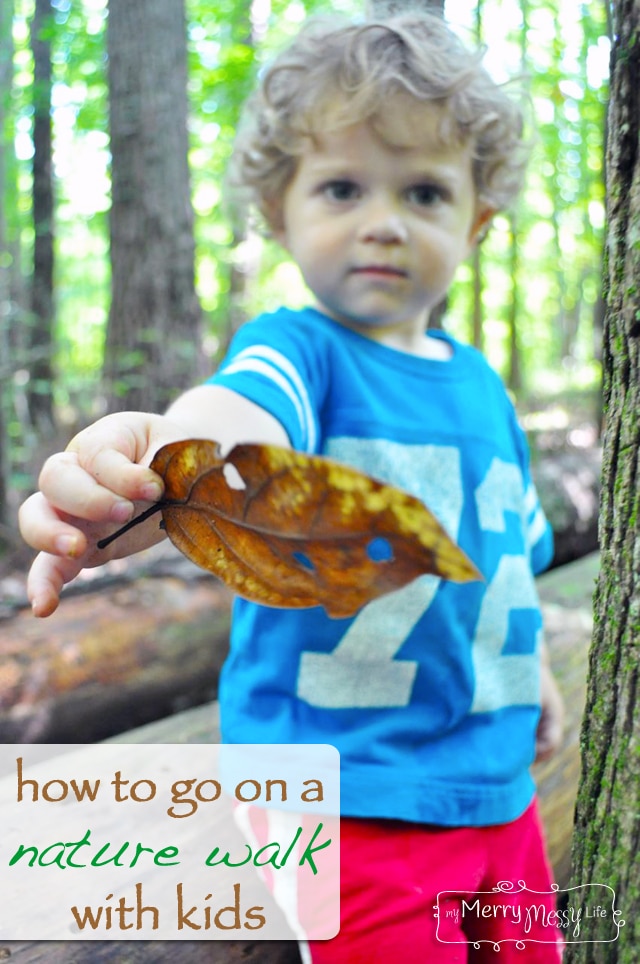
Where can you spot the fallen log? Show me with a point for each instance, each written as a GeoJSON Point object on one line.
{"type": "Point", "coordinates": [112, 660]}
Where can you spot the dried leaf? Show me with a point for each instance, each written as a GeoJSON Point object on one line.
{"type": "Point", "coordinates": [287, 529]}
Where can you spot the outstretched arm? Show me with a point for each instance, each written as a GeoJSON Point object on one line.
{"type": "Point", "coordinates": [101, 479]}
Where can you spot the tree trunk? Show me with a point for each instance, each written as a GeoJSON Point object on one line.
{"type": "Point", "coordinates": [6, 59]}
{"type": "Point", "coordinates": [153, 338]}
{"type": "Point", "coordinates": [42, 307]}
{"type": "Point", "coordinates": [15, 290]}
{"type": "Point", "coordinates": [514, 380]}
{"type": "Point", "coordinates": [246, 245]}
{"type": "Point", "coordinates": [607, 827]}
{"type": "Point", "coordinates": [384, 8]}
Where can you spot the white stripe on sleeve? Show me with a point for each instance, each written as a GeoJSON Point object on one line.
{"type": "Point", "coordinates": [277, 368]}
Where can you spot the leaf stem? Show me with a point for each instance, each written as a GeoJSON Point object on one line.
{"type": "Point", "coordinates": [131, 524]}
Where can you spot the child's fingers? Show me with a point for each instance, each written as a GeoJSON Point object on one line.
{"type": "Point", "coordinates": [103, 492]}
{"type": "Point", "coordinates": [43, 529]}
{"type": "Point", "coordinates": [113, 460]}
{"type": "Point", "coordinates": [86, 493]}
{"type": "Point", "coordinates": [72, 490]}
{"type": "Point", "coordinates": [47, 577]}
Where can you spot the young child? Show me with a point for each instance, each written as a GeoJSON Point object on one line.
{"type": "Point", "coordinates": [377, 154]}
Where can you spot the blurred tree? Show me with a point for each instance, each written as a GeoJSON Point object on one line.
{"type": "Point", "coordinates": [6, 60]}
{"type": "Point", "coordinates": [514, 374]}
{"type": "Point", "coordinates": [607, 827]}
{"type": "Point", "coordinates": [153, 335]}
{"type": "Point", "coordinates": [245, 244]}
{"type": "Point", "coordinates": [383, 8]}
{"type": "Point", "coordinates": [40, 337]}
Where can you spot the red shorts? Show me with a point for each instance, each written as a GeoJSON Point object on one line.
{"type": "Point", "coordinates": [393, 908]}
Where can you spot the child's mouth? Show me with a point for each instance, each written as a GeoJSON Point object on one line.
{"type": "Point", "coordinates": [380, 271]}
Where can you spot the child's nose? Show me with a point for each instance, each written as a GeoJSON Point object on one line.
{"type": "Point", "coordinates": [384, 225]}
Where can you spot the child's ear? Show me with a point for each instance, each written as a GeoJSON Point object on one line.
{"type": "Point", "coordinates": [274, 216]}
{"type": "Point", "coordinates": [480, 223]}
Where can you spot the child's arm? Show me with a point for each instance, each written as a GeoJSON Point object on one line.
{"type": "Point", "coordinates": [92, 487]}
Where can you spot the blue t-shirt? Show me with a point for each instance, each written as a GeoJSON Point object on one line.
{"type": "Point", "coordinates": [430, 693]}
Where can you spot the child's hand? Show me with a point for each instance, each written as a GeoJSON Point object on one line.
{"type": "Point", "coordinates": [90, 490]}
{"type": "Point", "coordinates": [85, 493]}
{"type": "Point", "coordinates": [551, 723]}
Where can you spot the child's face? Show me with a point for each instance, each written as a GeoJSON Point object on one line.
{"type": "Point", "coordinates": [377, 229]}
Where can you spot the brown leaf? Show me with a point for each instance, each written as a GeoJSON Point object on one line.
{"type": "Point", "coordinates": [287, 529]}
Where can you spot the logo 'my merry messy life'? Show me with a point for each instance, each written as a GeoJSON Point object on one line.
{"type": "Point", "coordinates": [527, 911]}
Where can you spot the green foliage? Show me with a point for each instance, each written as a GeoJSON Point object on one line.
{"type": "Point", "coordinates": [560, 217]}
{"type": "Point", "coordinates": [559, 220]}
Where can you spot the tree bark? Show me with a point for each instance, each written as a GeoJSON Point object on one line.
{"type": "Point", "coordinates": [607, 826]}
{"type": "Point", "coordinates": [153, 338]}
{"type": "Point", "coordinates": [42, 305]}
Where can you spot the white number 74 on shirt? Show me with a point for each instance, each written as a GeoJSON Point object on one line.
{"type": "Point", "coordinates": [363, 671]}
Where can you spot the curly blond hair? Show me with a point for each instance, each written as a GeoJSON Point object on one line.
{"type": "Point", "coordinates": [336, 73]}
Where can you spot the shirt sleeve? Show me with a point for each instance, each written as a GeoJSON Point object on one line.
{"type": "Point", "coordinates": [273, 362]}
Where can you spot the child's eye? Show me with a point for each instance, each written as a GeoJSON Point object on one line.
{"type": "Point", "coordinates": [342, 190]}
{"type": "Point", "coordinates": [425, 195]}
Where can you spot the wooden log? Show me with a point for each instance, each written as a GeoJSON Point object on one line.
{"type": "Point", "coordinates": [112, 660]}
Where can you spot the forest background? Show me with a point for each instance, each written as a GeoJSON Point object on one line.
{"type": "Point", "coordinates": [77, 222]}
